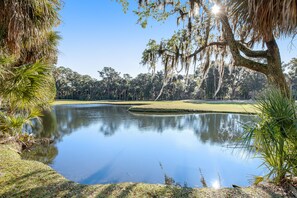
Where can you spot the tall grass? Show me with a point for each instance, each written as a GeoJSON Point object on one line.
{"type": "Point", "coordinates": [274, 136]}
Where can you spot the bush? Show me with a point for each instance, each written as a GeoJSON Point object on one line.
{"type": "Point", "coordinates": [274, 135]}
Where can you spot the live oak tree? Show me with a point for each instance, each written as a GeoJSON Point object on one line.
{"type": "Point", "coordinates": [229, 32]}
{"type": "Point", "coordinates": [243, 33]}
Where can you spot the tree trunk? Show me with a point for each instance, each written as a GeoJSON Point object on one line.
{"type": "Point", "coordinates": [272, 69]}
{"type": "Point", "coordinates": [277, 79]}
{"type": "Point", "coordinates": [275, 75]}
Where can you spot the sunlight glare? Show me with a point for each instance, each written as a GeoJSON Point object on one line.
{"type": "Point", "coordinates": [216, 185]}
{"type": "Point", "coordinates": [215, 9]}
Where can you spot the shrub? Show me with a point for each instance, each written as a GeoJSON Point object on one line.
{"type": "Point", "coordinates": [274, 135]}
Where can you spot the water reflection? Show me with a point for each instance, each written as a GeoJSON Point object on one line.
{"type": "Point", "coordinates": [42, 153]}
{"type": "Point", "coordinates": [108, 144]}
{"type": "Point", "coordinates": [212, 128]}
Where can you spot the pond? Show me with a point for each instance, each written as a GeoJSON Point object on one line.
{"type": "Point", "coordinates": [98, 144]}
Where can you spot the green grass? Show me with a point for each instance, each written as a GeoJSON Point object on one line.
{"type": "Point", "coordinates": [66, 102]}
{"type": "Point", "coordinates": [186, 106]}
{"type": "Point", "coordinates": [23, 178]}
{"type": "Point", "coordinates": [174, 106]}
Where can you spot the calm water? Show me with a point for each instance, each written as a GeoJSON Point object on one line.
{"type": "Point", "coordinates": [107, 144]}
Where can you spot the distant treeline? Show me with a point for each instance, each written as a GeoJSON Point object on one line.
{"type": "Point", "coordinates": [237, 84]}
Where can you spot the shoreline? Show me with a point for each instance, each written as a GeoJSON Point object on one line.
{"type": "Point", "coordinates": [25, 178]}
{"type": "Point", "coordinates": [181, 106]}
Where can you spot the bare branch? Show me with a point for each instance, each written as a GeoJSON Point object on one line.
{"type": "Point", "coordinates": [234, 46]}
{"type": "Point", "coordinates": [251, 53]}
{"type": "Point", "coordinates": [200, 49]}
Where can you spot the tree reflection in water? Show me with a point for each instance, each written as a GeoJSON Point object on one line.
{"type": "Point", "coordinates": [212, 128]}
{"type": "Point", "coordinates": [65, 119]}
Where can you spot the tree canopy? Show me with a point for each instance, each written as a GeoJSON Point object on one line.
{"type": "Point", "coordinates": [240, 84]}
{"type": "Point", "coordinates": [227, 32]}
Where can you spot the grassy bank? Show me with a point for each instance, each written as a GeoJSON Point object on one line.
{"type": "Point", "coordinates": [70, 102]}
{"type": "Point", "coordinates": [175, 106]}
{"type": "Point", "coordinates": [23, 178]}
{"type": "Point", "coordinates": [188, 106]}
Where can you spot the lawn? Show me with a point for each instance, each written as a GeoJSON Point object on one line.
{"type": "Point", "coordinates": [183, 106]}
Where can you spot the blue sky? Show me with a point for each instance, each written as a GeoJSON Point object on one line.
{"type": "Point", "coordinates": [97, 34]}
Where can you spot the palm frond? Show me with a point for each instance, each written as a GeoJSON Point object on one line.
{"type": "Point", "coordinates": [266, 18]}
{"type": "Point", "coordinates": [27, 22]}
{"type": "Point", "coordinates": [31, 85]}
{"type": "Point", "coordinates": [274, 136]}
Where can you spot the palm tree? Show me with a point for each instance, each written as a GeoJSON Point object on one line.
{"type": "Point", "coordinates": [28, 48]}
{"type": "Point", "coordinates": [46, 50]}
{"type": "Point", "coordinates": [267, 18]}
{"type": "Point", "coordinates": [26, 24]}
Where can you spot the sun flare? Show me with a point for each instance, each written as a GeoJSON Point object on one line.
{"type": "Point", "coordinates": [216, 184]}
{"type": "Point", "coordinates": [215, 9]}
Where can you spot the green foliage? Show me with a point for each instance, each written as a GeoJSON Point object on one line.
{"type": "Point", "coordinates": [237, 84]}
{"type": "Point", "coordinates": [28, 86]}
{"type": "Point", "coordinates": [274, 136]}
{"type": "Point", "coordinates": [28, 49]}
{"type": "Point", "coordinates": [227, 37]}
{"type": "Point", "coordinates": [124, 3]}
{"type": "Point", "coordinates": [13, 124]}
{"type": "Point", "coordinates": [24, 92]}
{"type": "Point", "coordinates": [25, 24]}
{"type": "Point", "coordinates": [5, 61]}
{"type": "Point", "coordinates": [258, 180]}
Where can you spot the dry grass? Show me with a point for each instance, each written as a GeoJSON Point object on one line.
{"type": "Point", "coordinates": [23, 178]}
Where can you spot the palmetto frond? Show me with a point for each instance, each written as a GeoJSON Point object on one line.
{"type": "Point", "coordinates": [28, 49]}
{"type": "Point", "coordinates": [274, 135]}
{"type": "Point", "coordinates": [26, 22]}
{"type": "Point", "coordinates": [5, 62]}
{"type": "Point", "coordinates": [28, 86]}
{"type": "Point", "coordinates": [46, 50]}
{"type": "Point", "coordinates": [276, 17]}
{"type": "Point", "coordinates": [14, 124]}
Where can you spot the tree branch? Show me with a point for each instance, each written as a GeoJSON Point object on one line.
{"type": "Point", "coordinates": [208, 45]}
{"type": "Point", "coordinates": [251, 53]}
{"type": "Point", "coordinates": [236, 46]}
{"type": "Point", "coordinates": [198, 50]}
